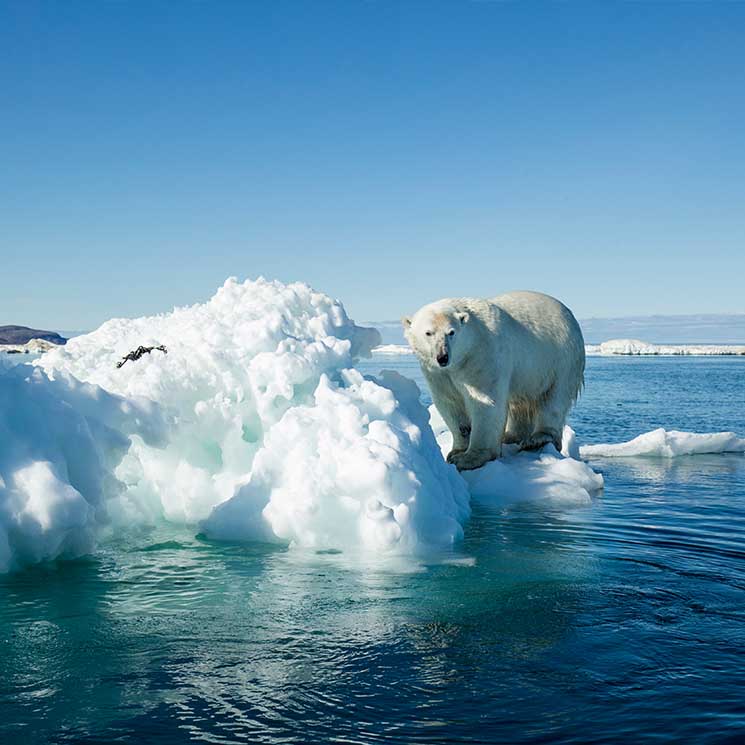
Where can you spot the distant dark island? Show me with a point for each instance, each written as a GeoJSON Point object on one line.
{"type": "Point", "coordinates": [23, 335]}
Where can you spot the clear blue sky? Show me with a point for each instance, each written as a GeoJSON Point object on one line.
{"type": "Point", "coordinates": [387, 153]}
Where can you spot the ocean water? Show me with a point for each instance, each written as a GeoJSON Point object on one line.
{"type": "Point", "coordinates": [620, 621]}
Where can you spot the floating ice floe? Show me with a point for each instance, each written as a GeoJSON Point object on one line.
{"type": "Point", "coordinates": [668, 444]}
{"type": "Point", "coordinates": [34, 346]}
{"type": "Point", "coordinates": [545, 476]}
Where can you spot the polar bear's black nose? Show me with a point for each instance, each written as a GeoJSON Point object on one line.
{"type": "Point", "coordinates": [442, 359]}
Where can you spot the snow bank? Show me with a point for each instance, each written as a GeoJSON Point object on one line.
{"type": "Point", "coordinates": [668, 444]}
{"type": "Point", "coordinates": [60, 442]}
{"type": "Point", "coordinates": [636, 347]}
{"type": "Point", "coordinates": [545, 476]}
{"type": "Point", "coordinates": [267, 416]}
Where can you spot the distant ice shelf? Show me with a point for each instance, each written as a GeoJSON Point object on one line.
{"type": "Point", "coordinates": [34, 346]}
{"type": "Point", "coordinates": [631, 347]}
{"type": "Point", "coordinates": [620, 347]}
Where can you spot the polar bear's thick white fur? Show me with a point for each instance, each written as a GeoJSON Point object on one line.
{"type": "Point", "coordinates": [503, 370]}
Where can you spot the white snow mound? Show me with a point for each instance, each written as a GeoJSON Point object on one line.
{"type": "Point", "coordinates": [357, 468]}
{"type": "Point", "coordinates": [234, 366]}
{"type": "Point", "coordinates": [267, 416]}
{"type": "Point", "coordinates": [668, 444]}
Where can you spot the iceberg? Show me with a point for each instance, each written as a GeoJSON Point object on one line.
{"type": "Point", "coordinates": [234, 366]}
{"type": "Point", "coordinates": [272, 434]}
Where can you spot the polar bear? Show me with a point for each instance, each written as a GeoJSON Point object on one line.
{"type": "Point", "coordinates": [502, 370]}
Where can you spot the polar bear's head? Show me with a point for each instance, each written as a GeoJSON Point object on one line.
{"type": "Point", "coordinates": [439, 335]}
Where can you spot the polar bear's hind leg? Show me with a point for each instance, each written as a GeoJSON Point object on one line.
{"type": "Point", "coordinates": [520, 417]}
{"type": "Point", "coordinates": [548, 425]}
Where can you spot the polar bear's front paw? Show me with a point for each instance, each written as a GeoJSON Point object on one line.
{"type": "Point", "coordinates": [471, 459]}
{"type": "Point", "coordinates": [454, 453]}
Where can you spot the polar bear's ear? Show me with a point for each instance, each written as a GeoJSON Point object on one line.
{"type": "Point", "coordinates": [406, 322]}
{"type": "Point", "coordinates": [463, 317]}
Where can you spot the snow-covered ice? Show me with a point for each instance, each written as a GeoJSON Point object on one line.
{"type": "Point", "coordinates": [234, 366]}
{"type": "Point", "coordinates": [545, 476]}
{"type": "Point", "coordinates": [668, 444]}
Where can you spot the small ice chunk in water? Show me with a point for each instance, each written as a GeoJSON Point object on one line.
{"type": "Point", "coordinates": [663, 443]}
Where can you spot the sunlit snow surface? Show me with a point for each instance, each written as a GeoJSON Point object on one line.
{"type": "Point", "coordinates": [253, 426]}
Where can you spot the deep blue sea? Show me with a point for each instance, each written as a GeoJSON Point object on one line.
{"type": "Point", "coordinates": [619, 622]}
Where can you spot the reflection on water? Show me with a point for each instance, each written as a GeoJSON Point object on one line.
{"type": "Point", "coordinates": [704, 470]}
{"type": "Point", "coordinates": [585, 625]}
{"type": "Point", "coordinates": [256, 642]}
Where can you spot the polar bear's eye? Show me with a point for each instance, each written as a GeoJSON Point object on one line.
{"type": "Point", "coordinates": [428, 333]}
